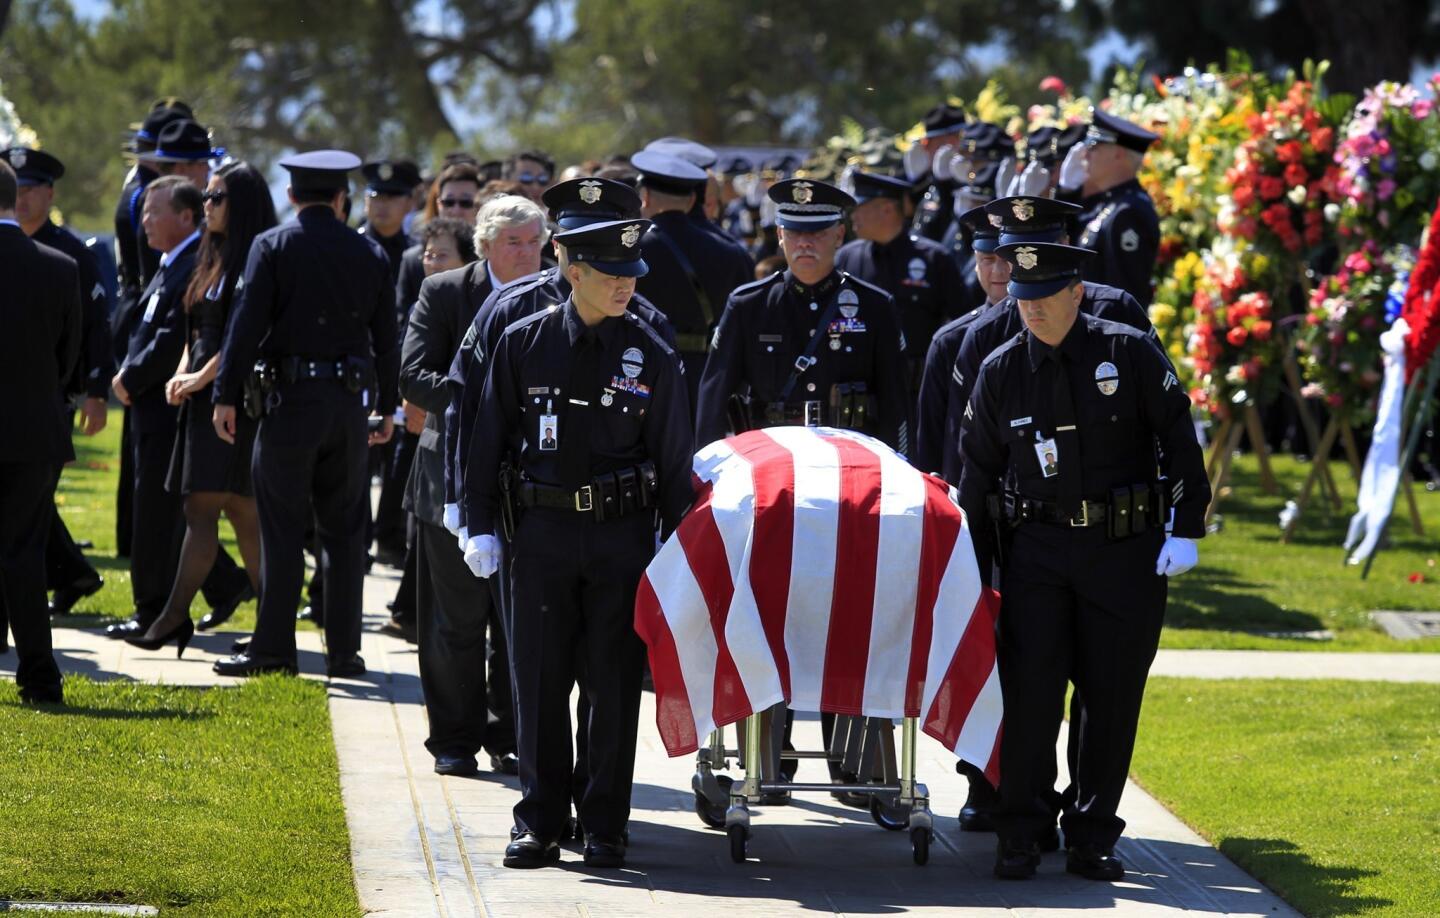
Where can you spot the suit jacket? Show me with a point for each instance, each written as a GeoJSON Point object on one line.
{"type": "Point", "coordinates": [447, 305]}
{"type": "Point", "coordinates": [40, 313]}
{"type": "Point", "coordinates": [157, 342]}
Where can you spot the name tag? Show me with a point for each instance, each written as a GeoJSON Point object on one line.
{"type": "Point", "coordinates": [1021, 422]}
{"type": "Point", "coordinates": [151, 307]}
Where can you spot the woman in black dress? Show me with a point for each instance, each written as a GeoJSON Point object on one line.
{"type": "Point", "coordinates": [213, 476]}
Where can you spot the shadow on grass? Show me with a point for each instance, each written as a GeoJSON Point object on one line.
{"type": "Point", "coordinates": [1315, 890]}
{"type": "Point", "coordinates": [1214, 599]}
{"type": "Point", "coordinates": [163, 712]}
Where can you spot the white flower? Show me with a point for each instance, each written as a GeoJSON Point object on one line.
{"type": "Point", "coordinates": [1296, 195]}
{"type": "Point", "coordinates": [1332, 212]}
{"type": "Point", "coordinates": [1428, 160]}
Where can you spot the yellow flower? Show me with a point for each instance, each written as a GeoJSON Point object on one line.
{"type": "Point", "coordinates": [1259, 264]}
{"type": "Point", "coordinates": [1162, 314]}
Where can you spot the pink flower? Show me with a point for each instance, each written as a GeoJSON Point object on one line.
{"type": "Point", "coordinates": [1385, 189]}
{"type": "Point", "coordinates": [1056, 85]}
{"type": "Point", "coordinates": [1421, 109]}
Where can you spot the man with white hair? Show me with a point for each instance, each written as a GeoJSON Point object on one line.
{"type": "Point", "coordinates": [467, 710]}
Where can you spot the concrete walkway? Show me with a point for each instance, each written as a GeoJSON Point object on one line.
{"type": "Point", "coordinates": [423, 845]}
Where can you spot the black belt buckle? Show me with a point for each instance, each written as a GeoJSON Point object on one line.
{"type": "Point", "coordinates": [585, 499]}
{"type": "Point", "coordinates": [1084, 516]}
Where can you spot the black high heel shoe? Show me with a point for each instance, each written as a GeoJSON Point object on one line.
{"type": "Point", "coordinates": [181, 634]}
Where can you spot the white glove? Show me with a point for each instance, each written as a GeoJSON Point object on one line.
{"type": "Point", "coordinates": [1076, 167]}
{"type": "Point", "coordinates": [451, 518]}
{"type": "Point", "coordinates": [960, 168]}
{"type": "Point", "coordinates": [462, 535]}
{"type": "Point", "coordinates": [916, 163]}
{"type": "Point", "coordinates": [482, 555]}
{"type": "Point", "coordinates": [1003, 177]}
{"type": "Point", "coordinates": [940, 162]}
{"type": "Point", "coordinates": [1033, 182]}
{"type": "Point", "coordinates": [1177, 556]}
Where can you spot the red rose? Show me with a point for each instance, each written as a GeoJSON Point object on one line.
{"type": "Point", "coordinates": [1271, 187]}
{"type": "Point", "coordinates": [1313, 235]}
{"type": "Point", "coordinates": [1243, 195]}
{"type": "Point", "coordinates": [1246, 228]}
{"type": "Point", "coordinates": [1261, 330]}
{"type": "Point", "coordinates": [1236, 336]}
{"type": "Point", "coordinates": [1053, 84]}
{"type": "Point", "coordinates": [1323, 139]}
{"type": "Point", "coordinates": [1290, 152]}
{"type": "Point", "coordinates": [1296, 174]}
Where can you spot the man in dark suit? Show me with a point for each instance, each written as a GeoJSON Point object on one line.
{"type": "Point", "coordinates": [40, 311]}
{"type": "Point", "coordinates": [172, 215]}
{"type": "Point", "coordinates": [466, 710]}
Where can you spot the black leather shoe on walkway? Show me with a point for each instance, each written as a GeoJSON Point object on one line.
{"type": "Point", "coordinates": [242, 664]}
{"type": "Point", "coordinates": [456, 765]}
{"type": "Point", "coordinates": [530, 850]}
{"type": "Point", "coordinates": [351, 667]}
{"type": "Point", "coordinates": [221, 613]}
{"type": "Point", "coordinates": [1094, 862]}
{"type": "Point", "coordinates": [133, 626]}
{"type": "Point", "coordinates": [507, 764]}
{"type": "Point", "coordinates": [1016, 861]}
{"type": "Point", "coordinates": [604, 851]}
{"type": "Point", "coordinates": [67, 596]}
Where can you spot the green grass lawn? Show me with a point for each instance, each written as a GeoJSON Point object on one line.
{"type": "Point", "coordinates": [209, 802]}
{"type": "Point", "coordinates": [1328, 792]}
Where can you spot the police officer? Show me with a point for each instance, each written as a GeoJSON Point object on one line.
{"type": "Point", "coordinates": [1059, 439]}
{"type": "Point", "coordinates": [591, 401]}
{"type": "Point", "coordinates": [978, 167]}
{"type": "Point", "coordinates": [67, 571]}
{"type": "Point", "coordinates": [809, 345]}
{"type": "Point", "coordinates": [1118, 221]}
{"type": "Point", "coordinates": [692, 271]}
{"type": "Point", "coordinates": [918, 272]}
{"type": "Point", "coordinates": [319, 309]}
{"type": "Point", "coordinates": [943, 126]}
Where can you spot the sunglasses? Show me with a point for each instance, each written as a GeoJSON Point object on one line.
{"type": "Point", "coordinates": [533, 178]}
{"type": "Point", "coordinates": [215, 197]}
{"type": "Point", "coordinates": [457, 202]}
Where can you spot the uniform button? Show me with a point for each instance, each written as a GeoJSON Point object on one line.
{"type": "Point", "coordinates": [812, 332]}
{"type": "Point", "coordinates": [814, 306]}
{"type": "Point", "coordinates": [810, 387]}
{"type": "Point", "coordinates": [848, 349]}
{"type": "Point", "coordinates": [769, 348]}
{"type": "Point", "coordinates": [1114, 418]}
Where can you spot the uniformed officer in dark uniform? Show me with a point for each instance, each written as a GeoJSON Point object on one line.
{"type": "Point", "coordinates": [984, 148]}
{"type": "Point", "coordinates": [943, 127]}
{"type": "Point", "coordinates": [594, 381]}
{"type": "Point", "coordinates": [319, 310]}
{"type": "Point", "coordinates": [697, 154]}
{"type": "Point", "coordinates": [809, 345]}
{"type": "Point", "coordinates": [692, 271]}
{"type": "Point", "coordinates": [1059, 439]}
{"type": "Point", "coordinates": [1118, 221]}
{"type": "Point", "coordinates": [918, 272]}
{"type": "Point", "coordinates": [67, 572]}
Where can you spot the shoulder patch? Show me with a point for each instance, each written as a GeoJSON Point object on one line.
{"type": "Point", "coordinates": [1130, 240]}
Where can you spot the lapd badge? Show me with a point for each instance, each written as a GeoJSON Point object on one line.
{"type": "Point", "coordinates": [997, 221]}
{"type": "Point", "coordinates": [1026, 257]}
{"type": "Point", "coordinates": [1023, 209]}
{"type": "Point", "coordinates": [607, 399]}
{"type": "Point", "coordinates": [1107, 378]}
{"type": "Point", "coordinates": [590, 191]}
{"type": "Point", "coordinates": [849, 303]}
{"type": "Point", "coordinates": [17, 158]}
{"type": "Point", "coordinates": [916, 269]}
{"type": "Point", "coordinates": [802, 192]}
{"type": "Point", "coordinates": [628, 239]}
{"type": "Point", "coordinates": [386, 171]}
{"type": "Point", "coordinates": [834, 342]}
{"type": "Point", "coordinates": [1130, 240]}
{"type": "Point", "coordinates": [632, 362]}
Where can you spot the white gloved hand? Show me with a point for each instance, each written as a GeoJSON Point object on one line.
{"type": "Point", "coordinates": [1177, 556]}
{"type": "Point", "coordinates": [1076, 167]}
{"type": "Point", "coordinates": [462, 535]}
{"type": "Point", "coordinates": [940, 162]}
{"type": "Point", "coordinates": [1033, 182]}
{"type": "Point", "coordinates": [1004, 176]}
{"type": "Point", "coordinates": [960, 168]}
{"type": "Point", "coordinates": [482, 555]}
{"type": "Point", "coordinates": [916, 163]}
{"type": "Point", "coordinates": [451, 518]}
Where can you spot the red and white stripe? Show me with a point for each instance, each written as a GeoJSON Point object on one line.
{"type": "Point", "coordinates": [819, 568]}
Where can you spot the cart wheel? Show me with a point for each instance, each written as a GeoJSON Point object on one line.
{"type": "Point", "coordinates": [737, 843]}
{"type": "Point", "coordinates": [920, 844]}
{"type": "Point", "coordinates": [709, 813]}
{"type": "Point", "coordinates": [893, 818]}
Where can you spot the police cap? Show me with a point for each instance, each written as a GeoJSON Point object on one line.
{"type": "Point", "coordinates": [612, 247]}
{"type": "Point", "coordinates": [1106, 128]}
{"type": "Point", "coordinates": [697, 154]}
{"type": "Point", "coordinates": [980, 233]}
{"type": "Point", "coordinates": [183, 141]}
{"type": "Point", "coordinates": [162, 113]}
{"type": "Point", "coordinates": [943, 119]}
{"type": "Point", "coordinates": [391, 176]}
{"type": "Point", "coordinates": [33, 167]}
{"type": "Point", "coordinates": [1042, 268]}
{"type": "Point", "coordinates": [320, 170]}
{"type": "Point", "coordinates": [735, 164]}
{"type": "Point", "coordinates": [582, 201]}
{"type": "Point", "coordinates": [871, 185]}
{"type": "Point", "coordinates": [668, 173]}
{"type": "Point", "coordinates": [982, 141]}
{"type": "Point", "coordinates": [808, 205]}
{"type": "Point", "coordinates": [1026, 218]}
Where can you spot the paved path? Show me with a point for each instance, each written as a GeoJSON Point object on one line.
{"type": "Point", "coordinates": [427, 846]}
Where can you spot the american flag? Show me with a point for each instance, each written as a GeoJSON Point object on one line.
{"type": "Point", "coordinates": [817, 567]}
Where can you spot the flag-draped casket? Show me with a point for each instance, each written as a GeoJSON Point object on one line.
{"type": "Point", "coordinates": [817, 567]}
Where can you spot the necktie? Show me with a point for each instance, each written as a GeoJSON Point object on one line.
{"type": "Point", "coordinates": [1067, 437]}
{"type": "Point", "coordinates": [574, 458]}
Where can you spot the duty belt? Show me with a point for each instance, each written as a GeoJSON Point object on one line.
{"type": "Point", "coordinates": [606, 497]}
{"type": "Point", "coordinates": [1030, 510]}
{"type": "Point", "coordinates": [1130, 510]}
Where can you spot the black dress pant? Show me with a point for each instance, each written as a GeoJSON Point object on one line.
{"type": "Point", "coordinates": [1076, 608]}
{"type": "Point", "coordinates": [573, 584]}
{"type": "Point", "coordinates": [466, 684]}
{"type": "Point", "coordinates": [27, 502]}
{"type": "Point", "coordinates": [65, 563]}
{"type": "Point", "coordinates": [390, 515]}
{"type": "Point", "coordinates": [310, 450]}
{"type": "Point", "coordinates": [125, 490]}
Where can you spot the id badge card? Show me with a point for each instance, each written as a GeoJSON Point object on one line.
{"type": "Point", "coordinates": [151, 307]}
{"type": "Point", "coordinates": [1049, 456]}
{"type": "Point", "coordinates": [549, 433]}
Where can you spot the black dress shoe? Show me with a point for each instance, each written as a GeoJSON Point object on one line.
{"type": "Point", "coordinates": [979, 801]}
{"type": "Point", "coordinates": [312, 613]}
{"type": "Point", "coordinates": [529, 850]}
{"type": "Point", "coordinates": [42, 696]}
{"type": "Point", "coordinates": [1014, 861]}
{"type": "Point", "coordinates": [604, 851]}
{"type": "Point", "coordinates": [1050, 841]}
{"type": "Point", "coordinates": [456, 765]}
{"type": "Point", "coordinates": [129, 628]}
{"type": "Point", "coordinates": [240, 645]}
{"type": "Point", "coordinates": [221, 613]}
{"type": "Point", "coordinates": [1094, 862]}
{"type": "Point", "coordinates": [180, 634]}
{"type": "Point", "coordinates": [351, 667]}
{"type": "Point", "coordinates": [974, 819]}
{"type": "Point", "coordinates": [242, 664]}
{"type": "Point", "coordinates": [67, 596]}
{"type": "Point", "coordinates": [507, 764]}
{"type": "Point", "coordinates": [403, 628]}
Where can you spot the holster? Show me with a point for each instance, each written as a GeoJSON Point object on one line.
{"type": "Point", "coordinates": [1132, 511]}
{"type": "Point", "coordinates": [356, 375]}
{"type": "Point", "coordinates": [256, 386]}
{"type": "Point", "coordinates": [850, 407]}
{"type": "Point", "coordinates": [999, 528]}
{"type": "Point", "coordinates": [509, 500]}
{"type": "Point", "coordinates": [737, 410]}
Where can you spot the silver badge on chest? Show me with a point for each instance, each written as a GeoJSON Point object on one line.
{"type": "Point", "coordinates": [1107, 378]}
